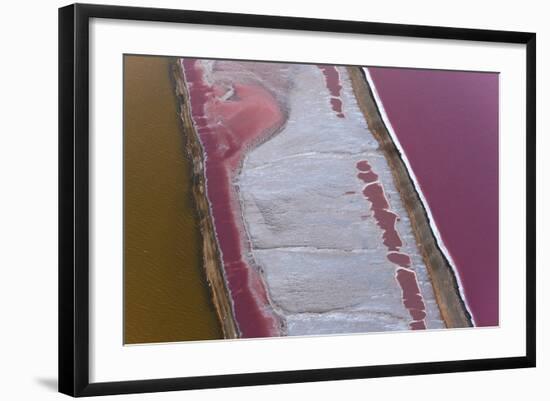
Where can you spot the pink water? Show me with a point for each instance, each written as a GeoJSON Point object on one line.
{"type": "Point", "coordinates": [447, 124]}
{"type": "Point", "coordinates": [385, 218]}
{"type": "Point", "coordinates": [227, 128]}
{"type": "Point", "coordinates": [332, 79]}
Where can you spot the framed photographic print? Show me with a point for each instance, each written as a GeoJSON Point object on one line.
{"type": "Point", "coordinates": [250, 199]}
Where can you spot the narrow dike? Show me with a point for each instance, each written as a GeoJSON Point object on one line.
{"type": "Point", "coordinates": [211, 256]}
{"type": "Point", "coordinates": [444, 282]}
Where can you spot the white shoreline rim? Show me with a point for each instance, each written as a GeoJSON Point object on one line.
{"type": "Point", "coordinates": [431, 219]}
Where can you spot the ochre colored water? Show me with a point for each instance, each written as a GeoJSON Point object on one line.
{"type": "Point", "coordinates": [166, 297]}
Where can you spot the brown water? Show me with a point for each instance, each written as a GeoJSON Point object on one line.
{"type": "Point", "coordinates": [166, 296]}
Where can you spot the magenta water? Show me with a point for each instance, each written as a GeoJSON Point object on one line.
{"type": "Point", "coordinates": [386, 219]}
{"type": "Point", "coordinates": [334, 86]}
{"type": "Point", "coordinates": [447, 124]}
{"type": "Point", "coordinates": [226, 130]}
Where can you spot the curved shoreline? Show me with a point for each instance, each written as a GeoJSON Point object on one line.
{"type": "Point", "coordinates": [226, 120]}
{"type": "Point", "coordinates": [444, 282]}
{"type": "Point", "coordinates": [211, 256]}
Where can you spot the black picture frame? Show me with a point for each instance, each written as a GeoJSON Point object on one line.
{"type": "Point", "coordinates": [74, 194]}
